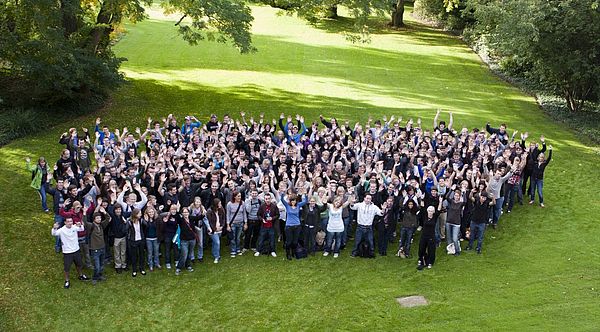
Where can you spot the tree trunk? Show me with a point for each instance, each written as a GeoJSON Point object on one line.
{"type": "Point", "coordinates": [69, 10]}
{"type": "Point", "coordinates": [574, 100]}
{"type": "Point", "coordinates": [99, 35]}
{"type": "Point", "coordinates": [398, 14]}
{"type": "Point", "coordinates": [332, 12]}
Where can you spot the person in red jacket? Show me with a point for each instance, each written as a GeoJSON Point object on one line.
{"type": "Point", "coordinates": [268, 212]}
{"type": "Point", "coordinates": [76, 213]}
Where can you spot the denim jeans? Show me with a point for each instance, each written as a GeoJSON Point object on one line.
{"type": "Point", "coordinates": [477, 230]}
{"type": "Point", "coordinates": [98, 258]}
{"type": "Point", "coordinates": [200, 244]}
{"type": "Point", "coordinates": [152, 246]}
{"type": "Point", "coordinates": [453, 235]}
{"type": "Point", "coordinates": [170, 246]}
{"type": "Point", "coordinates": [187, 247]}
{"type": "Point", "coordinates": [363, 233]}
{"type": "Point", "coordinates": [406, 235]}
{"type": "Point", "coordinates": [537, 185]}
{"type": "Point", "coordinates": [216, 245]}
{"type": "Point", "coordinates": [346, 231]}
{"type": "Point", "coordinates": [61, 221]}
{"type": "Point", "coordinates": [236, 229]}
{"type": "Point", "coordinates": [497, 210]}
{"type": "Point", "coordinates": [511, 190]}
{"type": "Point", "coordinates": [266, 233]}
{"type": "Point", "coordinates": [43, 196]}
{"type": "Point", "coordinates": [331, 237]}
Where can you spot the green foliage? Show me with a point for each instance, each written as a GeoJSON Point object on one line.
{"type": "Point", "coordinates": [315, 10]}
{"type": "Point", "coordinates": [452, 14]}
{"type": "Point", "coordinates": [231, 18]}
{"type": "Point", "coordinates": [53, 52]}
{"type": "Point", "coordinates": [557, 42]}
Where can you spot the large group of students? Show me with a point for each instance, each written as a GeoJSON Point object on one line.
{"type": "Point", "coordinates": [159, 196]}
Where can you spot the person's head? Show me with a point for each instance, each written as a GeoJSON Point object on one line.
{"type": "Point", "coordinates": [66, 154]}
{"type": "Point", "coordinates": [76, 206]}
{"type": "Point", "coordinates": [434, 192]}
{"type": "Point", "coordinates": [430, 211]}
{"type": "Point", "coordinates": [498, 174]}
{"type": "Point", "coordinates": [60, 184]}
{"type": "Point", "coordinates": [214, 186]}
{"type": "Point", "coordinates": [457, 195]}
{"type": "Point", "coordinates": [482, 197]}
{"type": "Point", "coordinates": [503, 128]}
{"type": "Point", "coordinates": [368, 199]}
{"type": "Point", "coordinates": [97, 217]}
{"type": "Point", "coordinates": [197, 202]}
{"type": "Point", "coordinates": [68, 222]}
{"type": "Point", "coordinates": [118, 210]}
{"type": "Point", "coordinates": [410, 204]}
{"type": "Point", "coordinates": [541, 157]}
{"type": "Point", "coordinates": [216, 204]}
{"type": "Point", "coordinates": [293, 200]}
{"type": "Point", "coordinates": [312, 202]}
{"type": "Point", "coordinates": [254, 193]}
{"type": "Point", "coordinates": [236, 197]}
{"type": "Point", "coordinates": [173, 209]}
{"type": "Point", "coordinates": [136, 215]}
{"type": "Point", "coordinates": [442, 125]}
{"type": "Point", "coordinates": [267, 199]}
{"type": "Point", "coordinates": [131, 198]}
{"type": "Point", "coordinates": [185, 212]}
{"type": "Point", "coordinates": [42, 161]}
{"type": "Point", "coordinates": [337, 202]}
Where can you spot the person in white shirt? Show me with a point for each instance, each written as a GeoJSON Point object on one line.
{"type": "Point", "coordinates": [366, 212]}
{"type": "Point", "coordinates": [70, 248]}
{"type": "Point", "coordinates": [335, 226]}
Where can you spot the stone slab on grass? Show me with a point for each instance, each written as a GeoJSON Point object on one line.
{"type": "Point", "coordinates": [412, 301]}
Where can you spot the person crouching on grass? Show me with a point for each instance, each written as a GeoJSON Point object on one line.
{"type": "Point", "coordinates": [70, 248]}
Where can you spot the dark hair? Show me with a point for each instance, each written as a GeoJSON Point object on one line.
{"type": "Point", "coordinates": [215, 204]}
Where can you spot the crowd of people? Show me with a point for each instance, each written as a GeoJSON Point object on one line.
{"type": "Point", "coordinates": [258, 187]}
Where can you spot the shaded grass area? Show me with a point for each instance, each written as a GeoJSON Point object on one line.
{"type": "Point", "coordinates": [538, 270]}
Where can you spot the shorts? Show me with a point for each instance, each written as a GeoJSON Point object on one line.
{"type": "Point", "coordinates": [75, 257]}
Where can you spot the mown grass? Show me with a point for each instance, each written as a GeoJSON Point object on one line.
{"type": "Point", "coordinates": [539, 270]}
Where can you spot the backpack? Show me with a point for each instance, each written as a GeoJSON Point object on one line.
{"type": "Point", "coordinates": [320, 238]}
{"type": "Point", "coordinates": [363, 250]}
{"type": "Point", "coordinates": [301, 252]}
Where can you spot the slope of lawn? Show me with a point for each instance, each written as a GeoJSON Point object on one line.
{"type": "Point", "coordinates": [539, 270]}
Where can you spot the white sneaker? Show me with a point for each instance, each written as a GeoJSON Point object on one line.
{"type": "Point", "coordinates": [232, 255]}
{"type": "Point", "coordinates": [325, 254]}
{"type": "Point", "coordinates": [256, 254]}
{"type": "Point", "coordinates": [244, 250]}
{"type": "Point", "coordinates": [168, 266]}
{"type": "Point", "coordinates": [336, 255]}
{"type": "Point", "coordinates": [429, 266]}
{"type": "Point", "coordinates": [216, 261]}
{"type": "Point", "coordinates": [273, 254]}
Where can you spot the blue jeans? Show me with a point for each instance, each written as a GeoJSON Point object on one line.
{"type": "Point", "coordinates": [537, 185]}
{"type": "Point", "coordinates": [216, 245]}
{"type": "Point", "coordinates": [346, 231]}
{"type": "Point", "coordinates": [477, 230]}
{"type": "Point", "coordinates": [331, 237]}
{"type": "Point", "coordinates": [152, 246]}
{"type": "Point", "coordinates": [236, 229]}
{"type": "Point", "coordinates": [61, 221]}
{"type": "Point", "coordinates": [266, 233]}
{"type": "Point", "coordinates": [497, 210]}
{"type": "Point", "coordinates": [200, 244]}
{"type": "Point", "coordinates": [406, 235]}
{"type": "Point", "coordinates": [98, 258]}
{"type": "Point", "coordinates": [187, 247]}
{"type": "Point", "coordinates": [453, 235]}
{"type": "Point", "coordinates": [363, 233]}
{"type": "Point", "coordinates": [43, 196]}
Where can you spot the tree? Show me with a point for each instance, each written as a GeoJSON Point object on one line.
{"type": "Point", "coordinates": [556, 42]}
{"type": "Point", "coordinates": [57, 50]}
{"type": "Point", "coordinates": [398, 14]}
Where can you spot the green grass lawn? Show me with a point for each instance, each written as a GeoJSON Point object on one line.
{"type": "Point", "coordinates": [539, 270]}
